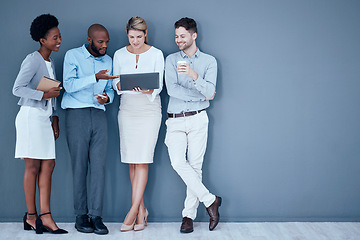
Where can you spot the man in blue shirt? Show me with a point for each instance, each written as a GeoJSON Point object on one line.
{"type": "Point", "coordinates": [88, 89]}
{"type": "Point", "coordinates": [190, 77]}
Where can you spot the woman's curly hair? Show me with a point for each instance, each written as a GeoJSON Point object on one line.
{"type": "Point", "coordinates": [41, 25]}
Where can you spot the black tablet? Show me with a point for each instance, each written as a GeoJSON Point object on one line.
{"type": "Point", "coordinates": [141, 80]}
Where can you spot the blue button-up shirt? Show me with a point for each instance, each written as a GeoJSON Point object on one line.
{"type": "Point", "coordinates": [185, 94]}
{"type": "Point", "coordinates": [79, 79]}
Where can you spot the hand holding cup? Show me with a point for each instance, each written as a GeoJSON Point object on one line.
{"type": "Point", "coordinates": [181, 67]}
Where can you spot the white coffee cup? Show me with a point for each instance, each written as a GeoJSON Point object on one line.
{"type": "Point", "coordinates": [179, 63]}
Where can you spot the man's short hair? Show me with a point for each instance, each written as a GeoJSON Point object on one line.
{"type": "Point", "coordinates": [94, 28]}
{"type": "Point", "coordinates": [188, 23]}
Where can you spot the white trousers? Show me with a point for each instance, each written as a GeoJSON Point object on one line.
{"type": "Point", "coordinates": [186, 139]}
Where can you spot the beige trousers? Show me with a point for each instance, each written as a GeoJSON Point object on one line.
{"type": "Point", "coordinates": [186, 139]}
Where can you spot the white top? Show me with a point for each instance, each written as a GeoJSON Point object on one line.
{"type": "Point", "coordinates": [124, 62]}
{"type": "Point", "coordinates": [50, 70]}
{"type": "Point", "coordinates": [51, 73]}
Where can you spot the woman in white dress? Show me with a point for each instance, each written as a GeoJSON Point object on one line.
{"type": "Point", "coordinates": [139, 115]}
{"type": "Point", "coordinates": [35, 133]}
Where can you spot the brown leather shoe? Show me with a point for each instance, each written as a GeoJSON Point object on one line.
{"type": "Point", "coordinates": [213, 212]}
{"type": "Point", "coordinates": [187, 225]}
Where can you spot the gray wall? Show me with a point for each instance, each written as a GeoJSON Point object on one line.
{"type": "Point", "coordinates": [284, 127]}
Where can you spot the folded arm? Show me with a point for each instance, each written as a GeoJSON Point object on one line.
{"type": "Point", "coordinates": [176, 90]}
{"type": "Point", "coordinates": [206, 85]}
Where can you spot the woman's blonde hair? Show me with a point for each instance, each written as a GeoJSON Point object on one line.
{"type": "Point", "coordinates": [137, 23]}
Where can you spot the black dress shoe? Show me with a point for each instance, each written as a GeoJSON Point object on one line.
{"type": "Point", "coordinates": [83, 224]}
{"type": "Point", "coordinates": [213, 212]}
{"type": "Point", "coordinates": [186, 225]}
{"type": "Point", "coordinates": [98, 225]}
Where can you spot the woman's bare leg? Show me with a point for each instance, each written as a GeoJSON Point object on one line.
{"type": "Point", "coordinates": [32, 168]}
{"type": "Point", "coordinates": [138, 186]}
{"type": "Point", "coordinates": [44, 182]}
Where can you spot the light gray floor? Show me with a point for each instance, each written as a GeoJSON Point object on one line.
{"type": "Point", "coordinates": [238, 231]}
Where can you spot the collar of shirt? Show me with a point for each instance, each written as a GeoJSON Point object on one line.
{"type": "Point", "coordinates": [87, 54]}
{"type": "Point", "coordinates": [183, 54]}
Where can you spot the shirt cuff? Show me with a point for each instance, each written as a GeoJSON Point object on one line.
{"type": "Point", "coordinates": [152, 96]}
{"type": "Point", "coordinates": [114, 83]}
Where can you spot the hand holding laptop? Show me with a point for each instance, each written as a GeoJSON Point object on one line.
{"type": "Point", "coordinates": [137, 89]}
{"type": "Point", "coordinates": [145, 91]}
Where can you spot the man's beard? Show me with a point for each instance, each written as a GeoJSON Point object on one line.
{"type": "Point", "coordinates": [95, 50]}
{"type": "Point", "coordinates": [186, 46]}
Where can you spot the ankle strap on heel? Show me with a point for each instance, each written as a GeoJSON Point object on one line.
{"type": "Point", "coordinates": [31, 213]}
{"type": "Point", "coordinates": [44, 214]}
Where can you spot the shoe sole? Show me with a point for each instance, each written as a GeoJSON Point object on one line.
{"type": "Point", "coordinates": [101, 233]}
{"type": "Point", "coordinates": [84, 231]}
{"type": "Point", "coordinates": [186, 231]}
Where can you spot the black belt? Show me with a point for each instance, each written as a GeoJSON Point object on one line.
{"type": "Point", "coordinates": [184, 114]}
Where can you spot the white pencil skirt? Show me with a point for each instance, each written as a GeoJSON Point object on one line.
{"type": "Point", "coordinates": [34, 134]}
{"type": "Point", "coordinates": [139, 124]}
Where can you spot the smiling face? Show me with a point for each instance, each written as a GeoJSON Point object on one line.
{"type": "Point", "coordinates": [52, 39]}
{"type": "Point", "coordinates": [184, 39]}
{"type": "Point", "coordinates": [136, 38]}
{"type": "Point", "coordinates": [98, 43]}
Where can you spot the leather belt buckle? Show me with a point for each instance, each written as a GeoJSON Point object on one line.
{"type": "Point", "coordinates": [184, 114]}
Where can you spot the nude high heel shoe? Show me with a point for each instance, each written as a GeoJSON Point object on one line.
{"type": "Point", "coordinates": [125, 228]}
{"type": "Point", "coordinates": [141, 226]}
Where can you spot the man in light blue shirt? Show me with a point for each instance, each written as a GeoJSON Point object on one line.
{"type": "Point", "coordinates": [85, 78]}
{"type": "Point", "coordinates": [88, 89]}
{"type": "Point", "coordinates": [190, 77]}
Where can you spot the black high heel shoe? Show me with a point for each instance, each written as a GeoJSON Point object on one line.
{"type": "Point", "coordinates": [40, 228]}
{"type": "Point", "coordinates": [27, 226]}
